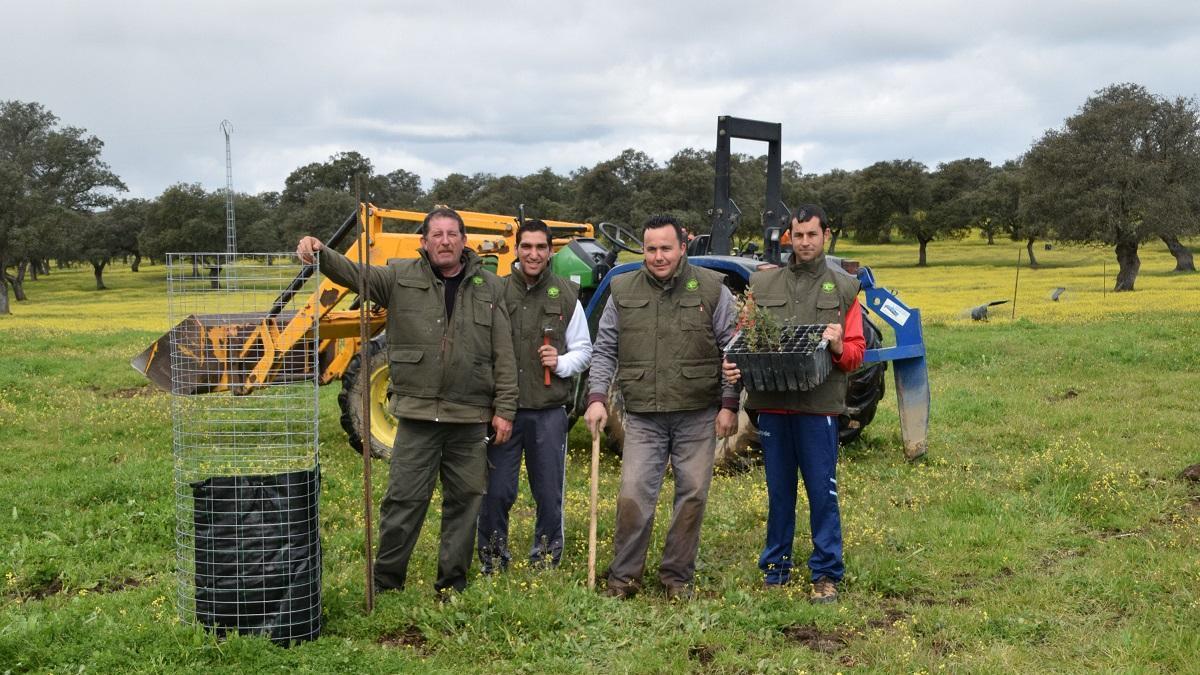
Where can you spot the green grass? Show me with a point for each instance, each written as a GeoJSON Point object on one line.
{"type": "Point", "coordinates": [1046, 530]}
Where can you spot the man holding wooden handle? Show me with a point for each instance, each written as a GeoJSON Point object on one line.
{"type": "Point", "coordinates": [552, 344]}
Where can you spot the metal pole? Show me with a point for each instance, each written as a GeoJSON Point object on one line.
{"type": "Point", "coordinates": [364, 294]}
{"type": "Point", "coordinates": [1015, 282]}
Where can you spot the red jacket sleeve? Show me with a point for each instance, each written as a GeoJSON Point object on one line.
{"type": "Point", "coordinates": [853, 342]}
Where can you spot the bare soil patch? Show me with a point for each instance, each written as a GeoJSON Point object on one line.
{"type": "Point", "coordinates": [409, 636]}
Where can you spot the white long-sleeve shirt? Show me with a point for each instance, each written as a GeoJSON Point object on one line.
{"type": "Point", "coordinates": [579, 346]}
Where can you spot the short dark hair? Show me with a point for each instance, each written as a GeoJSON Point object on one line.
{"type": "Point", "coordinates": [443, 212]}
{"type": "Point", "coordinates": [533, 225]}
{"type": "Point", "coordinates": [663, 220]}
{"type": "Point", "coordinates": [807, 212]}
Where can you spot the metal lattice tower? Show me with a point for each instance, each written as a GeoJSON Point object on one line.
{"type": "Point", "coordinates": [230, 221]}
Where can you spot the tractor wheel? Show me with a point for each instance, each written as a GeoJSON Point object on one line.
{"type": "Point", "coordinates": [863, 391]}
{"type": "Point", "coordinates": [371, 381]}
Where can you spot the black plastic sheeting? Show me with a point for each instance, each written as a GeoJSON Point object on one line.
{"type": "Point", "coordinates": [258, 555]}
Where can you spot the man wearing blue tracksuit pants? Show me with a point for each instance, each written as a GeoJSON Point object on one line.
{"type": "Point", "coordinates": [552, 344]}
{"type": "Point", "coordinates": [799, 430]}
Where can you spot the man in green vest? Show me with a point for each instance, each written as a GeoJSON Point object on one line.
{"type": "Point", "coordinates": [799, 430]}
{"type": "Point", "coordinates": [552, 343]}
{"type": "Point", "coordinates": [452, 372]}
{"type": "Point", "coordinates": [660, 337]}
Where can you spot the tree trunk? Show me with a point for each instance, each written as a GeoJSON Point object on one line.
{"type": "Point", "coordinates": [991, 237]}
{"type": "Point", "coordinates": [921, 258]}
{"type": "Point", "coordinates": [1127, 259]}
{"type": "Point", "coordinates": [4, 287]}
{"type": "Point", "coordinates": [98, 271]}
{"type": "Point", "coordinates": [1183, 256]}
{"type": "Point", "coordinates": [137, 261]}
{"type": "Point", "coordinates": [837, 232]}
{"type": "Point", "coordinates": [18, 283]}
{"type": "Point", "coordinates": [1033, 263]}
{"type": "Point", "coordinates": [33, 270]}
{"type": "Point", "coordinates": [45, 267]}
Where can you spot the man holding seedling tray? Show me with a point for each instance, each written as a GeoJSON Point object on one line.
{"type": "Point", "coordinates": [798, 429]}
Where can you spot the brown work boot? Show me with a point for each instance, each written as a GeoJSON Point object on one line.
{"type": "Point", "coordinates": [619, 590]}
{"type": "Point", "coordinates": [824, 591]}
{"type": "Point", "coordinates": [681, 593]}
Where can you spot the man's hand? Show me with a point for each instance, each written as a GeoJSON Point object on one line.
{"type": "Point", "coordinates": [549, 356]}
{"type": "Point", "coordinates": [727, 423]}
{"type": "Point", "coordinates": [732, 373]}
{"type": "Point", "coordinates": [596, 417]}
{"type": "Point", "coordinates": [306, 248]}
{"type": "Point", "coordinates": [833, 333]}
{"type": "Point", "coordinates": [503, 430]}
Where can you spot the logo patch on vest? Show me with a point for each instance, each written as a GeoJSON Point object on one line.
{"type": "Point", "coordinates": [477, 280]}
{"type": "Point", "coordinates": [552, 292]}
{"type": "Point", "coordinates": [828, 286]}
{"type": "Point", "coordinates": [692, 284]}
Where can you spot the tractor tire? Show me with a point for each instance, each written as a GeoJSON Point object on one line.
{"type": "Point", "coordinates": [863, 391]}
{"type": "Point", "coordinates": [371, 381]}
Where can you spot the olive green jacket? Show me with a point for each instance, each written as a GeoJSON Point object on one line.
{"type": "Point", "coordinates": [444, 369]}
{"type": "Point", "coordinates": [662, 341]}
{"type": "Point", "coordinates": [539, 312]}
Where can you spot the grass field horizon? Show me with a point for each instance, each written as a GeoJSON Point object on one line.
{"type": "Point", "coordinates": [1047, 529]}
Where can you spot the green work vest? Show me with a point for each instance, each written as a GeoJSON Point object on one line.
{"type": "Point", "coordinates": [438, 358]}
{"type": "Point", "coordinates": [667, 355]}
{"type": "Point", "coordinates": [805, 293]}
{"type": "Point", "coordinates": [542, 310]}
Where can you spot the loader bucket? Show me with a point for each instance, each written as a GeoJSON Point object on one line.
{"type": "Point", "coordinates": [222, 352]}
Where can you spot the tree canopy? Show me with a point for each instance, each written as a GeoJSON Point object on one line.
{"type": "Point", "coordinates": [1123, 170]}
{"type": "Point", "coordinates": [48, 173]}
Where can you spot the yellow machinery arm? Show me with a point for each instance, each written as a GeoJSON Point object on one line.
{"type": "Point", "coordinates": [239, 352]}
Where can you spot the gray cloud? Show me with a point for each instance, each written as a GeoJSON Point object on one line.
{"type": "Point", "coordinates": [510, 88]}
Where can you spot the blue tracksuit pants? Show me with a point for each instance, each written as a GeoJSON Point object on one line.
{"type": "Point", "coordinates": [808, 444]}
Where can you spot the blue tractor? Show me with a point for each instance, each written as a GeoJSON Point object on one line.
{"type": "Point", "coordinates": [595, 266]}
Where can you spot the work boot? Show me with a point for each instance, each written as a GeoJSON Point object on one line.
{"type": "Point", "coordinates": [492, 563]}
{"type": "Point", "coordinates": [620, 590]}
{"type": "Point", "coordinates": [824, 591]}
{"type": "Point", "coordinates": [681, 593]}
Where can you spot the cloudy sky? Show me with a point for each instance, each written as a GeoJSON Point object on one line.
{"type": "Point", "coordinates": [436, 87]}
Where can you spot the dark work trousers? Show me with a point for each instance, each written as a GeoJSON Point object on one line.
{"type": "Point", "coordinates": [424, 451]}
{"type": "Point", "coordinates": [688, 441]}
{"type": "Point", "coordinates": [542, 436]}
{"type": "Point", "coordinates": [808, 443]}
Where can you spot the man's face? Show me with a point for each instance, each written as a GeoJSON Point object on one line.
{"type": "Point", "coordinates": [443, 242]}
{"type": "Point", "coordinates": [808, 239]}
{"type": "Point", "coordinates": [662, 251]}
{"type": "Point", "coordinates": [534, 253]}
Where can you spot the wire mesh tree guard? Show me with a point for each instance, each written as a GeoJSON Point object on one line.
{"type": "Point", "coordinates": [247, 475]}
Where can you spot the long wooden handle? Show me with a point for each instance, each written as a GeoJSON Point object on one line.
{"type": "Point", "coordinates": [595, 500]}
